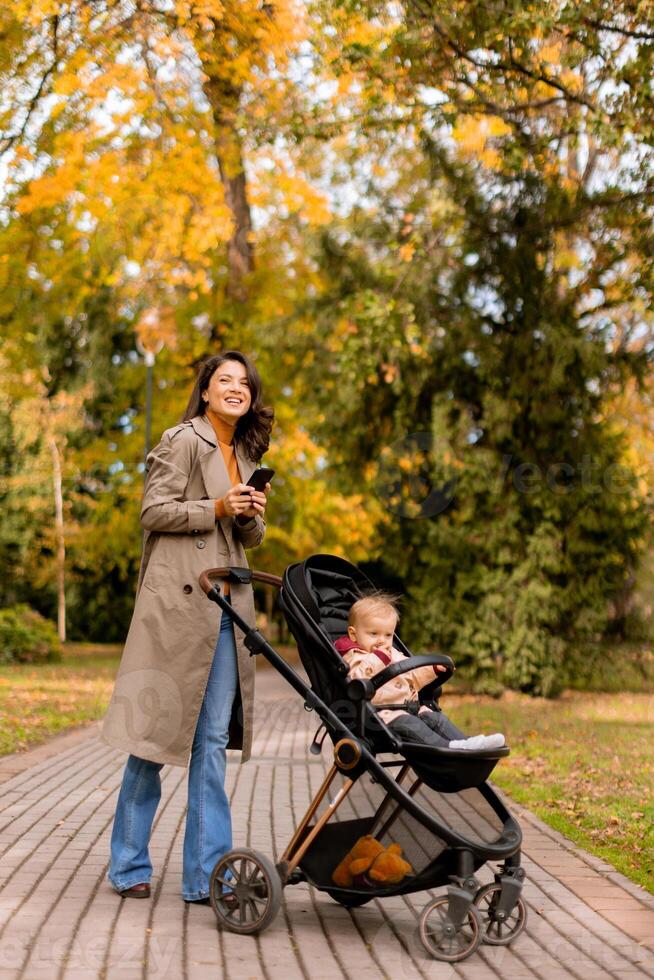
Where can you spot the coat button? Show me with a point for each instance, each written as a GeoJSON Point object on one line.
{"type": "Point", "coordinates": [188, 589]}
{"type": "Point", "coordinates": [200, 544]}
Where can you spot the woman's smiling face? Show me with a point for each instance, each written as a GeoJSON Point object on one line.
{"type": "Point", "coordinates": [228, 392]}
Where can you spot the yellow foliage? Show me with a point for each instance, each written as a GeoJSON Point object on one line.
{"type": "Point", "coordinates": [542, 90]}
{"type": "Point", "coordinates": [21, 153]}
{"type": "Point", "coordinates": [206, 10]}
{"type": "Point", "coordinates": [473, 134]}
{"type": "Point", "coordinates": [632, 413]}
{"type": "Point", "coordinates": [551, 53]}
{"type": "Point", "coordinates": [345, 328]}
{"type": "Point", "coordinates": [300, 197]}
{"type": "Point", "coordinates": [362, 32]}
{"type": "Point", "coordinates": [573, 81]}
{"type": "Point", "coordinates": [345, 82]}
{"type": "Point", "coordinates": [322, 518]}
{"type": "Point", "coordinates": [138, 171]}
{"type": "Point", "coordinates": [491, 159]}
{"type": "Point", "coordinates": [470, 133]}
{"type": "Point", "coordinates": [496, 126]}
{"type": "Point", "coordinates": [66, 84]}
{"type": "Point", "coordinates": [566, 258]}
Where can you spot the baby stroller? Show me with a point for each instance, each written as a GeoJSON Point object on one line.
{"type": "Point", "coordinates": [435, 803]}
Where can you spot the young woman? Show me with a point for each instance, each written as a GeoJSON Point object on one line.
{"type": "Point", "coordinates": [185, 687]}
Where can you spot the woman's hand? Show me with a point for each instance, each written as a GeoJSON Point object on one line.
{"type": "Point", "coordinates": [258, 501]}
{"type": "Point", "coordinates": [243, 501]}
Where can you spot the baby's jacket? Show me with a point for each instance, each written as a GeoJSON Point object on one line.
{"type": "Point", "coordinates": [365, 664]}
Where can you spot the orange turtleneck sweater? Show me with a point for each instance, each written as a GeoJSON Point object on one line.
{"type": "Point", "coordinates": [225, 435]}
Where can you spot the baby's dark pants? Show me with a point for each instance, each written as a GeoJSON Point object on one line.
{"type": "Point", "coordinates": [429, 727]}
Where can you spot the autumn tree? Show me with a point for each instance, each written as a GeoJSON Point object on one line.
{"type": "Point", "coordinates": [139, 139]}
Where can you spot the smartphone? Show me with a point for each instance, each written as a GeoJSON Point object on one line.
{"type": "Point", "coordinates": [260, 477]}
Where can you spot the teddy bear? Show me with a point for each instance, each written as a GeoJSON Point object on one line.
{"type": "Point", "coordinates": [370, 862]}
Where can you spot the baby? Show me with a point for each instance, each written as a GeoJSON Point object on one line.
{"type": "Point", "coordinates": [367, 649]}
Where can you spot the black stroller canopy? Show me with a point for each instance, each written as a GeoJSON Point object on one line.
{"type": "Point", "coordinates": [327, 586]}
{"type": "Point", "coordinates": [316, 597]}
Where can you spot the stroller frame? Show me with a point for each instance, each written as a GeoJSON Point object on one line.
{"type": "Point", "coordinates": [246, 887]}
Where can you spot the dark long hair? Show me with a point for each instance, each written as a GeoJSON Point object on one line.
{"type": "Point", "coordinates": [253, 428]}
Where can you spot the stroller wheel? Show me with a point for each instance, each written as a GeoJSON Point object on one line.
{"type": "Point", "coordinates": [499, 930]}
{"type": "Point", "coordinates": [245, 891]}
{"type": "Point", "coordinates": [442, 939]}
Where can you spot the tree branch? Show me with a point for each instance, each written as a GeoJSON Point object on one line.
{"type": "Point", "coordinates": [614, 29]}
{"type": "Point", "coordinates": [511, 65]}
{"type": "Point", "coordinates": [9, 141]}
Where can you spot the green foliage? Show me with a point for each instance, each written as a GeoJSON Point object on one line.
{"type": "Point", "coordinates": [637, 623]}
{"type": "Point", "coordinates": [611, 666]}
{"type": "Point", "coordinates": [479, 343]}
{"type": "Point", "coordinates": [26, 637]}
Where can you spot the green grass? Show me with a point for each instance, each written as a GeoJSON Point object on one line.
{"type": "Point", "coordinates": [39, 701]}
{"type": "Point", "coordinates": [582, 763]}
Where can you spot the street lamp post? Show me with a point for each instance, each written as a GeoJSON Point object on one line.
{"type": "Point", "coordinates": [149, 344]}
{"type": "Point", "coordinates": [149, 372]}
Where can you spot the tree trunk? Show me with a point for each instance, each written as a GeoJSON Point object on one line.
{"type": "Point", "coordinates": [59, 537]}
{"type": "Point", "coordinates": [224, 100]}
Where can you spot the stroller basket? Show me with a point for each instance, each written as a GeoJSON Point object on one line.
{"type": "Point", "coordinates": [368, 810]}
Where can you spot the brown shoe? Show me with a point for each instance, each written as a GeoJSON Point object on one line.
{"type": "Point", "coordinates": [142, 890]}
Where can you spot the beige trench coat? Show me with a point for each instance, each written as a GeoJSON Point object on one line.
{"type": "Point", "coordinates": [169, 648]}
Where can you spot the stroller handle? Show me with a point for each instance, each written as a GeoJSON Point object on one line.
{"type": "Point", "coordinates": [234, 574]}
{"type": "Point", "coordinates": [412, 663]}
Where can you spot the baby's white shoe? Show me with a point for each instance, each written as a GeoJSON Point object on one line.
{"type": "Point", "coordinates": [478, 742]}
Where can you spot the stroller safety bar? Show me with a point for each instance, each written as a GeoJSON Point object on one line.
{"type": "Point", "coordinates": [412, 663]}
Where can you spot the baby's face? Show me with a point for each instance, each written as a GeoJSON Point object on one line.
{"type": "Point", "coordinates": [374, 632]}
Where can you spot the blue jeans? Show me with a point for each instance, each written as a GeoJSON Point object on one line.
{"type": "Point", "coordinates": [208, 832]}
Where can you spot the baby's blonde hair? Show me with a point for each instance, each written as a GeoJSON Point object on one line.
{"type": "Point", "coordinates": [373, 602]}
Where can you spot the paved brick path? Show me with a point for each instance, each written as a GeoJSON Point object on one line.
{"type": "Point", "coordinates": [59, 918]}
